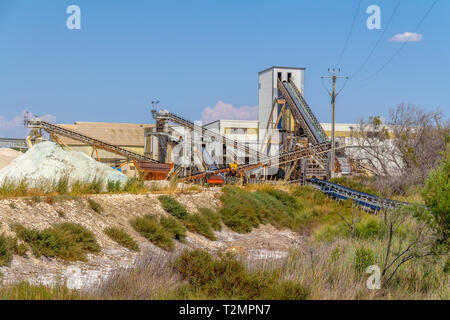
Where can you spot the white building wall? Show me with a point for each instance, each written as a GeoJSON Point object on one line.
{"type": "Point", "coordinates": [267, 89]}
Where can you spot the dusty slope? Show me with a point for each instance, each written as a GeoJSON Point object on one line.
{"type": "Point", "coordinates": [118, 209]}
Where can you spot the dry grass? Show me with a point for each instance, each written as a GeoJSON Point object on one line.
{"type": "Point", "coordinates": [152, 278]}
{"type": "Point", "coordinates": [26, 291]}
{"type": "Point", "coordinates": [51, 188]}
{"type": "Point", "coordinates": [326, 270]}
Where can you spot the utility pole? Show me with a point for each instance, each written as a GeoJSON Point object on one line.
{"type": "Point", "coordinates": [333, 76]}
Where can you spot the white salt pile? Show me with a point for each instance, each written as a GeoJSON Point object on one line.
{"type": "Point", "coordinates": [7, 156]}
{"type": "Point", "coordinates": [47, 161]}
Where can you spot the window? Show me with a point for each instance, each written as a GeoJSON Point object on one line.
{"type": "Point", "coordinates": [289, 76]}
{"type": "Point", "coordinates": [279, 75]}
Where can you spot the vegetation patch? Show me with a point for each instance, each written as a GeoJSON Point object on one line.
{"type": "Point", "coordinates": [134, 185]}
{"type": "Point", "coordinates": [26, 291]}
{"type": "Point", "coordinates": [151, 229]}
{"type": "Point", "coordinates": [67, 241]}
{"type": "Point", "coordinates": [364, 257]}
{"type": "Point", "coordinates": [8, 246]}
{"type": "Point", "coordinates": [368, 228]}
{"type": "Point", "coordinates": [199, 224]}
{"type": "Point", "coordinates": [113, 186]}
{"type": "Point", "coordinates": [227, 278]}
{"type": "Point", "coordinates": [122, 237]}
{"type": "Point", "coordinates": [10, 188]}
{"type": "Point", "coordinates": [213, 218]}
{"type": "Point", "coordinates": [297, 208]}
{"type": "Point", "coordinates": [94, 205]}
{"type": "Point", "coordinates": [175, 227]}
{"type": "Point", "coordinates": [173, 207]}
{"type": "Point", "coordinates": [94, 186]}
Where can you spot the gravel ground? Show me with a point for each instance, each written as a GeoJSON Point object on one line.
{"type": "Point", "coordinates": [264, 242]}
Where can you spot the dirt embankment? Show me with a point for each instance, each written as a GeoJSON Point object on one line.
{"type": "Point", "coordinates": [263, 242]}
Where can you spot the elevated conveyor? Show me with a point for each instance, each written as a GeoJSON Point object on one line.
{"type": "Point", "coordinates": [166, 115]}
{"type": "Point", "coordinates": [302, 113]}
{"type": "Point", "coordinates": [55, 129]}
{"type": "Point", "coordinates": [273, 161]}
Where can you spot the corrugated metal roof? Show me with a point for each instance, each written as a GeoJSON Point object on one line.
{"type": "Point", "coordinates": [120, 134]}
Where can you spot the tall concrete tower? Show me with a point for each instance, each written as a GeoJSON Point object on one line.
{"type": "Point", "coordinates": [268, 91]}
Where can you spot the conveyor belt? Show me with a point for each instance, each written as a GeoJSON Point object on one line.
{"type": "Point", "coordinates": [363, 199]}
{"type": "Point", "coordinates": [273, 161]}
{"type": "Point", "coordinates": [55, 129]}
{"type": "Point", "coordinates": [302, 112]}
{"type": "Point", "coordinates": [164, 114]}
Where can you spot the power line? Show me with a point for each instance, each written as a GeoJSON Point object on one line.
{"type": "Point", "coordinates": [378, 41]}
{"type": "Point", "coordinates": [349, 34]}
{"type": "Point", "coordinates": [404, 43]}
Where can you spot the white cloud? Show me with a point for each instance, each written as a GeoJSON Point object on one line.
{"type": "Point", "coordinates": [14, 128]}
{"type": "Point", "coordinates": [226, 111]}
{"type": "Point", "coordinates": [407, 37]}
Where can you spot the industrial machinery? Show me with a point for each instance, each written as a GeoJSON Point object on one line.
{"type": "Point", "coordinates": [365, 200]}
{"type": "Point", "coordinates": [301, 146]}
{"type": "Point", "coordinates": [148, 168]}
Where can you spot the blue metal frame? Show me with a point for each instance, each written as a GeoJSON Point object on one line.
{"type": "Point", "coordinates": [363, 199]}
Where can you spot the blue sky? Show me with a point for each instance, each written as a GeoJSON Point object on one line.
{"type": "Point", "coordinates": [192, 55]}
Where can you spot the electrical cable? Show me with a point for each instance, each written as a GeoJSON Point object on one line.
{"type": "Point", "coordinates": [404, 43]}
{"type": "Point", "coordinates": [349, 34]}
{"type": "Point", "coordinates": [378, 41]}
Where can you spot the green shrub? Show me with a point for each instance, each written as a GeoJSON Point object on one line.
{"type": "Point", "coordinates": [173, 207]}
{"type": "Point", "coordinates": [242, 210]}
{"type": "Point", "coordinates": [121, 237]}
{"type": "Point", "coordinates": [151, 229]}
{"type": "Point", "coordinates": [227, 278]}
{"type": "Point", "coordinates": [213, 218]}
{"type": "Point", "coordinates": [370, 228]}
{"type": "Point", "coordinates": [199, 224]}
{"type": "Point", "coordinates": [95, 205]}
{"type": "Point", "coordinates": [113, 186]}
{"type": "Point", "coordinates": [367, 228]}
{"type": "Point", "coordinates": [8, 247]}
{"type": "Point", "coordinates": [436, 195]}
{"type": "Point", "coordinates": [329, 232]}
{"type": "Point", "coordinates": [364, 257]}
{"type": "Point", "coordinates": [175, 227]}
{"type": "Point", "coordinates": [67, 241]}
